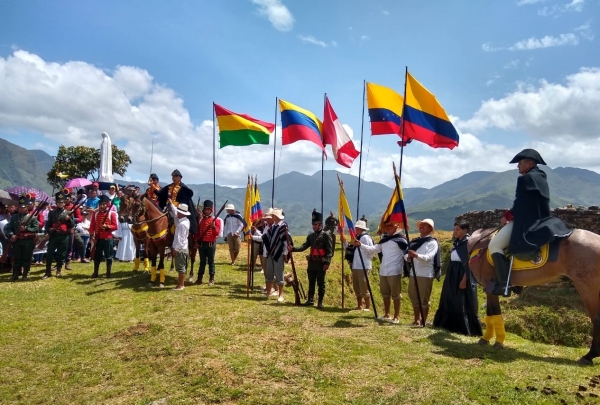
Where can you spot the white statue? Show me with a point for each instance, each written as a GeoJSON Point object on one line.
{"type": "Point", "coordinates": [106, 173]}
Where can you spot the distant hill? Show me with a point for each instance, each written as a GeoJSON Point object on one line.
{"type": "Point", "coordinates": [20, 166]}
{"type": "Point", "coordinates": [297, 194]}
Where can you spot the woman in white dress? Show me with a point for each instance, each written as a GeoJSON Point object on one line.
{"type": "Point", "coordinates": [126, 247]}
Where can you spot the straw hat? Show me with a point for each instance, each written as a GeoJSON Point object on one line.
{"type": "Point", "coordinates": [278, 213]}
{"type": "Point", "coordinates": [230, 206]}
{"type": "Point", "coordinates": [183, 209]}
{"type": "Point", "coordinates": [427, 221]}
{"type": "Point", "coordinates": [361, 225]}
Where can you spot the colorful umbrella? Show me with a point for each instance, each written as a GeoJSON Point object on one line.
{"type": "Point", "coordinates": [77, 183]}
{"type": "Point", "coordinates": [19, 190]}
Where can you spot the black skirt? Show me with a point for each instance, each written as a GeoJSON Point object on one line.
{"type": "Point", "coordinates": [458, 308]}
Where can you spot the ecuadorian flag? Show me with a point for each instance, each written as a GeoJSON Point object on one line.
{"type": "Point", "coordinates": [344, 215]}
{"type": "Point", "coordinates": [425, 119]}
{"type": "Point", "coordinates": [385, 109]}
{"type": "Point", "coordinates": [299, 124]}
{"type": "Point", "coordinates": [395, 211]}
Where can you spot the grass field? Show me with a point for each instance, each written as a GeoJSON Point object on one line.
{"type": "Point", "coordinates": [80, 341]}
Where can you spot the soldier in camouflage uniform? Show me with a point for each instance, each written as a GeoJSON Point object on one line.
{"type": "Point", "coordinates": [321, 251]}
{"type": "Point", "coordinates": [21, 230]}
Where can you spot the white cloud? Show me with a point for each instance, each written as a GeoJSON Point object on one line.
{"type": "Point", "coordinates": [364, 38]}
{"type": "Point", "coordinates": [278, 14]}
{"type": "Point", "coordinates": [72, 103]}
{"type": "Point", "coordinates": [528, 2]}
{"type": "Point", "coordinates": [546, 42]}
{"type": "Point", "coordinates": [513, 64]}
{"type": "Point", "coordinates": [309, 39]}
{"type": "Point", "coordinates": [574, 6]}
{"type": "Point", "coordinates": [385, 12]}
{"type": "Point", "coordinates": [493, 78]}
{"type": "Point", "coordinates": [334, 44]}
{"type": "Point", "coordinates": [549, 111]}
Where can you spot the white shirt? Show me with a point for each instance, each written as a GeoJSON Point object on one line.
{"type": "Point", "coordinates": [365, 239]}
{"type": "Point", "coordinates": [83, 227]}
{"type": "Point", "coordinates": [182, 230]}
{"type": "Point", "coordinates": [232, 225]}
{"type": "Point", "coordinates": [392, 261]}
{"type": "Point", "coordinates": [220, 221]}
{"type": "Point", "coordinates": [424, 262]}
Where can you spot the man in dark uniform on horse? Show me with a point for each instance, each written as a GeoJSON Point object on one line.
{"type": "Point", "coordinates": [179, 193]}
{"type": "Point", "coordinates": [527, 225]}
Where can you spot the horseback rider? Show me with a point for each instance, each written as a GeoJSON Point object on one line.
{"type": "Point", "coordinates": [178, 193]}
{"type": "Point", "coordinates": [527, 225]}
{"type": "Point", "coordinates": [153, 188]}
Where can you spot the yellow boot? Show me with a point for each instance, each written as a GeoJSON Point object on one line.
{"type": "Point", "coordinates": [153, 275]}
{"type": "Point", "coordinates": [146, 264]}
{"type": "Point", "coordinates": [136, 264]}
{"type": "Point", "coordinates": [162, 277]}
{"type": "Point", "coordinates": [500, 332]}
{"type": "Point", "coordinates": [489, 330]}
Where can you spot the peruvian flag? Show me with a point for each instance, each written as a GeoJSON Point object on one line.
{"type": "Point", "coordinates": [335, 135]}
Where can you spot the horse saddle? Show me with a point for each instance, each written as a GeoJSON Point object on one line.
{"type": "Point", "coordinates": [540, 257]}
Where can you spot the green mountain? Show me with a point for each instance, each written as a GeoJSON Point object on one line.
{"type": "Point", "coordinates": [22, 167]}
{"type": "Point", "coordinates": [298, 194]}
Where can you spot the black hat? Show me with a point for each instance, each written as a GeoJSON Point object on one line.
{"type": "Point", "coordinates": [528, 154]}
{"type": "Point", "coordinates": [317, 217]}
{"type": "Point", "coordinates": [104, 198]}
{"type": "Point", "coordinates": [24, 201]}
{"type": "Point", "coordinates": [154, 176]}
{"type": "Point", "coordinates": [80, 191]}
{"type": "Point", "coordinates": [208, 204]}
{"type": "Point", "coordinates": [60, 197]}
{"type": "Point", "coordinates": [176, 173]}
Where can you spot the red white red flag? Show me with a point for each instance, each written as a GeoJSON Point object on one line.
{"type": "Point", "coordinates": [335, 135]}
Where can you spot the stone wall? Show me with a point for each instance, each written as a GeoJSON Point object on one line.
{"type": "Point", "coordinates": [574, 217]}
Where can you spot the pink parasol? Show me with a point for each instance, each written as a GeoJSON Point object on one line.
{"type": "Point", "coordinates": [77, 183]}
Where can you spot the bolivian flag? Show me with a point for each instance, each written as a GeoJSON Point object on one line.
{"type": "Point", "coordinates": [241, 129]}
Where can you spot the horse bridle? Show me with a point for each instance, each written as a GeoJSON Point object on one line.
{"type": "Point", "coordinates": [141, 211]}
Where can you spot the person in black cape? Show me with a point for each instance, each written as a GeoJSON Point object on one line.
{"type": "Point", "coordinates": [179, 193]}
{"type": "Point", "coordinates": [458, 302]}
{"type": "Point", "coordinates": [527, 226]}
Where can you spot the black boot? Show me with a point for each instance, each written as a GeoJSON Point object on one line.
{"type": "Point", "coordinates": [68, 265]}
{"type": "Point", "coordinates": [15, 275]}
{"type": "Point", "coordinates": [96, 269]}
{"type": "Point", "coordinates": [502, 269]}
{"type": "Point", "coordinates": [211, 281]}
{"type": "Point", "coordinates": [320, 303]}
{"type": "Point", "coordinates": [310, 302]}
{"type": "Point", "coordinates": [58, 271]}
{"type": "Point", "coordinates": [48, 273]}
{"type": "Point", "coordinates": [25, 275]}
{"type": "Point", "coordinates": [199, 279]}
{"type": "Point", "coordinates": [108, 270]}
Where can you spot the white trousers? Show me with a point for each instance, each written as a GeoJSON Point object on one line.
{"type": "Point", "coordinates": [502, 239]}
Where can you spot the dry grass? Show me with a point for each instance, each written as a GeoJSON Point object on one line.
{"type": "Point", "coordinates": [77, 340]}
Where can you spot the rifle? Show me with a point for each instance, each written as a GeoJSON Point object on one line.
{"type": "Point", "coordinates": [296, 285]}
{"type": "Point", "coordinates": [213, 220]}
{"type": "Point", "coordinates": [35, 213]}
{"type": "Point", "coordinates": [93, 248]}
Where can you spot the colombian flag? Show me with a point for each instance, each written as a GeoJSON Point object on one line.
{"type": "Point", "coordinates": [257, 212]}
{"type": "Point", "coordinates": [299, 124]}
{"type": "Point", "coordinates": [241, 129]}
{"type": "Point", "coordinates": [395, 211]}
{"type": "Point", "coordinates": [385, 109]}
{"type": "Point", "coordinates": [344, 215]}
{"type": "Point", "coordinates": [425, 119]}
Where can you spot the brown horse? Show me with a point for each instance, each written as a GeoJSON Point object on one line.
{"type": "Point", "coordinates": [578, 259]}
{"type": "Point", "coordinates": [129, 205]}
{"type": "Point", "coordinates": [158, 236]}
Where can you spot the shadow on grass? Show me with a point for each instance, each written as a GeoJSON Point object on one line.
{"type": "Point", "coordinates": [452, 347]}
{"type": "Point", "coordinates": [346, 324]}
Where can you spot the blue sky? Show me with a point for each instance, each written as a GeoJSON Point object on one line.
{"type": "Point", "coordinates": [509, 73]}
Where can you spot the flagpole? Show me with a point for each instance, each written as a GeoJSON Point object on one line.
{"type": "Point", "coordinates": [214, 158]}
{"type": "Point", "coordinates": [274, 147]}
{"type": "Point", "coordinates": [411, 264]}
{"type": "Point", "coordinates": [152, 154]}
{"type": "Point", "coordinates": [402, 142]}
{"type": "Point", "coordinates": [362, 127]}
{"type": "Point", "coordinates": [323, 162]}
{"type": "Point", "coordinates": [362, 261]}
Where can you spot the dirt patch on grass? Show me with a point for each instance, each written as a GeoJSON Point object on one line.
{"type": "Point", "coordinates": [136, 330]}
